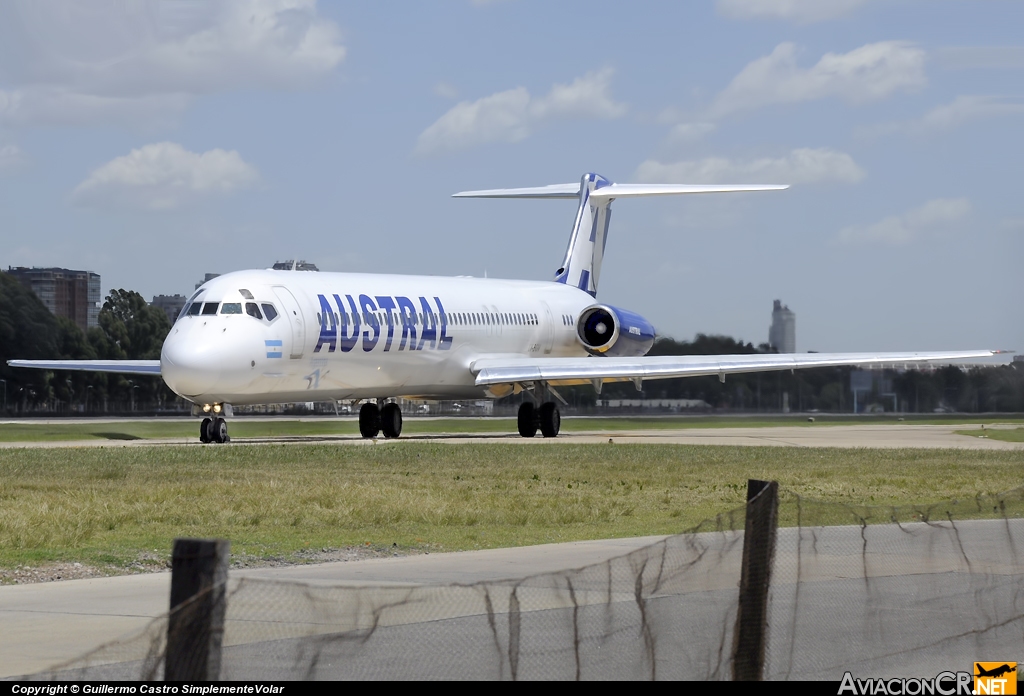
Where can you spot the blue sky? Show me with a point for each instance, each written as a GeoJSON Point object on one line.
{"type": "Point", "coordinates": [153, 142]}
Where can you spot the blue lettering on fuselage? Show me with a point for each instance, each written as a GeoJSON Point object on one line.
{"type": "Point", "coordinates": [372, 324]}
{"type": "Point", "coordinates": [408, 311]}
{"type": "Point", "coordinates": [342, 330]}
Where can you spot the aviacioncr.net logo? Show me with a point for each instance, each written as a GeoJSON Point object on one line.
{"type": "Point", "coordinates": [944, 684]}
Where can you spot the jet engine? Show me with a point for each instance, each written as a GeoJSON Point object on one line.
{"type": "Point", "coordinates": [612, 332]}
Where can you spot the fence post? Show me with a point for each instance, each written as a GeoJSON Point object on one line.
{"type": "Point", "coordinates": [755, 577]}
{"type": "Point", "coordinates": [195, 627]}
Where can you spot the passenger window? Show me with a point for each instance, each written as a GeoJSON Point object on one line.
{"type": "Point", "coordinates": [269, 311]}
{"type": "Point", "coordinates": [210, 308]}
{"type": "Point", "coordinates": [246, 294]}
{"type": "Point", "coordinates": [231, 308]}
{"type": "Point", "coordinates": [253, 310]}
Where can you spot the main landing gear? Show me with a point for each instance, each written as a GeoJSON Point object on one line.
{"type": "Point", "coordinates": [546, 418]}
{"type": "Point", "coordinates": [214, 430]}
{"type": "Point", "coordinates": [374, 419]}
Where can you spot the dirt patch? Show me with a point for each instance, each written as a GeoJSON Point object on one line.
{"type": "Point", "coordinates": [325, 555]}
{"type": "Point", "coordinates": [155, 563]}
{"type": "Point", "coordinates": [51, 572]}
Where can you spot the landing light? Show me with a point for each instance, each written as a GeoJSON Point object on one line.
{"type": "Point", "coordinates": [216, 408]}
{"type": "Point", "coordinates": [206, 408]}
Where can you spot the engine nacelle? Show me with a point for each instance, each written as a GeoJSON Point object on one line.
{"type": "Point", "coordinates": [613, 332]}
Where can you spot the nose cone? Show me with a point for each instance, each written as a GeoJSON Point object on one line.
{"type": "Point", "coordinates": [189, 367]}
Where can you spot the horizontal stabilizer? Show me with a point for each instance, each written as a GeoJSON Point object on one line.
{"type": "Point", "coordinates": [124, 367]}
{"type": "Point", "coordinates": [630, 190]}
{"type": "Point", "coordinates": [553, 191]}
{"type": "Point", "coordinates": [587, 369]}
{"type": "Point", "coordinates": [611, 191]}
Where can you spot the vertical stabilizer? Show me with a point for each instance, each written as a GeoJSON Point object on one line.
{"type": "Point", "coordinates": [581, 266]}
{"type": "Point", "coordinates": [582, 263]}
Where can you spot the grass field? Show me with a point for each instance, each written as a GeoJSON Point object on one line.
{"type": "Point", "coordinates": [147, 429]}
{"type": "Point", "coordinates": [1005, 435]}
{"type": "Point", "coordinates": [116, 506]}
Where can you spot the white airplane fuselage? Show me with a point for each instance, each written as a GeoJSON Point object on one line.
{"type": "Point", "coordinates": [354, 336]}
{"type": "Point", "coordinates": [271, 336]}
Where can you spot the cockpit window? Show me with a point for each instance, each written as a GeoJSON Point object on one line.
{"type": "Point", "coordinates": [210, 308]}
{"type": "Point", "coordinates": [245, 293]}
{"type": "Point", "coordinates": [253, 310]}
{"type": "Point", "coordinates": [231, 308]}
{"type": "Point", "coordinates": [269, 311]}
{"type": "Point", "coordinates": [194, 309]}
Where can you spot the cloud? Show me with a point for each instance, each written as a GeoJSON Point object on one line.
{"type": "Point", "coordinates": [44, 105]}
{"type": "Point", "coordinates": [151, 61]}
{"type": "Point", "coordinates": [934, 216]}
{"type": "Point", "coordinates": [868, 73]}
{"type": "Point", "coordinates": [800, 11]}
{"type": "Point", "coordinates": [446, 90]}
{"type": "Point", "coordinates": [968, 108]}
{"type": "Point", "coordinates": [10, 157]}
{"type": "Point", "coordinates": [801, 166]}
{"type": "Point", "coordinates": [689, 132]}
{"type": "Point", "coordinates": [513, 115]}
{"type": "Point", "coordinates": [963, 109]}
{"type": "Point", "coordinates": [164, 176]}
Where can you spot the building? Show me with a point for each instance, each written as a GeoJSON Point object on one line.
{"type": "Point", "coordinates": [66, 293]}
{"type": "Point", "coordinates": [782, 333]}
{"type": "Point", "coordinates": [171, 304]}
{"type": "Point", "coordinates": [292, 265]}
{"type": "Point", "coordinates": [208, 278]}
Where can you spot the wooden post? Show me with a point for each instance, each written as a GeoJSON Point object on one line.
{"type": "Point", "coordinates": [195, 627]}
{"type": "Point", "coordinates": [751, 633]}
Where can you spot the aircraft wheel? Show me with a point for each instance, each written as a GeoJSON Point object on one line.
{"type": "Point", "coordinates": [391, 420]}
{"type": "Point", "coordinates": [550, 419]}
{"type": "Point", "coordinates": [204, 430]}
{"type": "Point", "coordinates": [220, 430]}
{"type": "Point", "coordinates": [369, 420]}
{"type": "Point", "coordinates": [527, 419]}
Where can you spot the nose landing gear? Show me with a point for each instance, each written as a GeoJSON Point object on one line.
{"type": "Point", "coordinates": [214, 430]}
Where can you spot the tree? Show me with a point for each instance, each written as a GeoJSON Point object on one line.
{"type": "Point", "coordinates": [133, 330]}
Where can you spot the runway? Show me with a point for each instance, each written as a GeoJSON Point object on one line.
{"type": "Point", "coordinates": [902, 435]}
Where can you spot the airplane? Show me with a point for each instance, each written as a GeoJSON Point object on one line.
{"type": "Point", "coordinates": [278, 336]}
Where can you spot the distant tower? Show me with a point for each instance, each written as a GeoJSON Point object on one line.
{"type": "Point", "coordinates": [782, 333]}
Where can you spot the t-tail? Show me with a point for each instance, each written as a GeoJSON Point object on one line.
{"type": "Point", "coordinates": [581, 266]}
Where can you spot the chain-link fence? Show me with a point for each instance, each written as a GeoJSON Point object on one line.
{"type": "Point", "coordinates": [895, 591]}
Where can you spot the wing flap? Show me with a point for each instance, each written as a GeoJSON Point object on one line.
{"type": "Point", "coordinates": [509, 370]}
{"type": "Point", "coordinates": [124, 367]}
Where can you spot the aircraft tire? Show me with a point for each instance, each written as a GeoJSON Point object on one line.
{"type": "Point", "coordinates": [550, 419]}
{"type": "Point", "coordinates": [391, 420]}
{"type": "Point", "coordinates": [369, 420]}
{"type": "Point", "coordinates": [527, 419]}
{"type": "Point", "coordinates": [204, 430]}
{"type": "Point", "coordinates": [219, 431]}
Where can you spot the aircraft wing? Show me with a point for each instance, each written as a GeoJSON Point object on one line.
{"type": "Point", "coordinates": [124, 367]}
{"type": "Point", "coordinates": [591, 369]}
